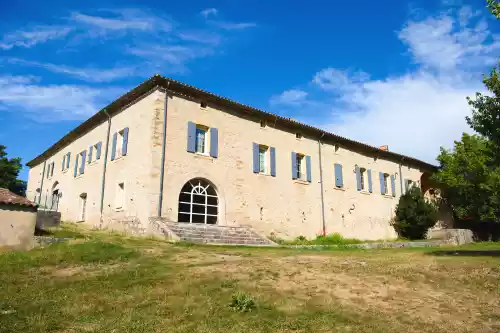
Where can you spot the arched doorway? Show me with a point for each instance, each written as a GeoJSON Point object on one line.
{"type": "Point", "coordinates": [198, 202]}
{"type": "Point", "coordinates": [56, 194]}
{"type": "Point", "coordinates": [83, 207]}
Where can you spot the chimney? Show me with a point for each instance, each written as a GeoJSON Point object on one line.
{"type": "Point", "coordinates": [385, 147]}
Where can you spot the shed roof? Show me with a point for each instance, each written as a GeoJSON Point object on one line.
{"type": "Point", "coordinates": [180, 88]}
{"type": "Point", "coordinates": [9, 198]}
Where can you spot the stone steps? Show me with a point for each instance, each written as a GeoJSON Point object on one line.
{"type": "Point", "coordinates": [211, 234]}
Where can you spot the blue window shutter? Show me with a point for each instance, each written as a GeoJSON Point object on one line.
{"type": "Point", "coordinates": [255, 153]}
{"type": "Point", "coordinates": [308, 168]}
{"type": "Point", "coordinates": [191, 139]}
{"type": "Point", "coordinates": [113, 147]}
{"type": "Point", "coordinates": [76, 166]}
{"type": "Point", "coordinates": [214, 142]}
{"type": "Point", "coordinates": [393, 185]}
{"type": "Point", "coordinates": [125, 141]}
{"type": "Point", "coordinates": [91, 148]}
{"type": "Point", "coordinates": [369, 173]}
{"type": "Point", "coordinates": [294, 165]}
{"type": "Point", "coordinates": [272, 153]}
{"type": "Point", "coordinates": [82, 168]}
{"type": "Point", "coordinates": [358, 178]}
{"type": "Point", "coordinates": [339, 181]}
{"type": "Point", "coordinates": [98, 150]}
{"type": "Point", "coordinates": [52, 171]}
{"type": "Point", "coordinates": [67, 160]}
{"type": "Point", "coordinates": [382, 186]}
{"type": "Point", "coordinates": [63, 163]}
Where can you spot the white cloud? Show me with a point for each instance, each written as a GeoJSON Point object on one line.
{"type": "Point", "coordinates": [30, 38]}
{"type": "Point", "coordinates": [290, 97]}
{"type": "Point", "coordinates": [443, 43]}
{"type": "Point", "coordinates": [46, 103]}
{"type": "Point", "coordinates": [203, 37]}
{"type": "Point", "coordinates": [417, 112]}
{"type": "Point", "coordinates": [234, 26]}
{"type": "Point", "coordinates": [123, 20]}
{"type": "Point", "coordinates": [85, 74]}
{"type": "Point", "coordinates": [208, 12]}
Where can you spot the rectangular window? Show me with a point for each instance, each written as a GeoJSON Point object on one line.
{"type": "Point", "coordinates": [386, 183]}
{"type": "Point", "coordinates": [120, 196]}
{"type": "Point", "coordinates": [201, 139]}
{"type": "Point", "coordinates": [119, 144]}
{"type": "Point", "coordinates": [299, 167]}
{"type": "Point", "coordinates": [362, 175]}
{"type": "Point", "coordinates": [262, 159]}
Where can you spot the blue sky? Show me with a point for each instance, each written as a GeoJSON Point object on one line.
{"type": "Point", "coordinates": [390, 72]}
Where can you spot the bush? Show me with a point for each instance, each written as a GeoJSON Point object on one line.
{"type": "Point", "coordinates": [335, 239]}
{"type": "Point", "coordinates": [414, 215]}
{"type": "Point", "coordinates": [241, 302]}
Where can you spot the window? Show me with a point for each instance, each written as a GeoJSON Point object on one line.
{"type": "Point", "coordinates": [362, 175]}
{"type": "Point", "coordinates": [299, 167]}
{"type": "Point", "coordinates": [120, 144]}
{"type": "Point", "coordinates": [198, 202]}
{"type": "Point", "coordinates": [66, 160]}
{"type": "Point", "coordinates": [298, 135]}
{"type": "Point", "coordinates": [201, 139]}
{"type": "Point", "coordinates": [94, 152]}
{"type": "Point", "coordinates": [386, 183]}
{"type": "Point", "coordinates": [120, 196]}
{"type": "Point", "coordinates": [262, 159]}
{"type": "Point", "coordinates": [80, 163]}
{"type": "Point", "coordinates": [263, 123]}
{"type": "Point", "coordinates": [203, 105]}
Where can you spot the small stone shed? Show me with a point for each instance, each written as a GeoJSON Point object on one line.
{"type": "Point", "coordinates": [17, 221]}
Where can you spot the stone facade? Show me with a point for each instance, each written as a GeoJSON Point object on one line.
{"type": "Point", "coordinates": [276, 204]}
{"type": "Point", "coordinates": [17, 226]}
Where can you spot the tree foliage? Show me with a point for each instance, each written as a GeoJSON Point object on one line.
{"type": "Point", "coordinates": [414, 215]}
{"type": "Point", "coordinates": [494, 7]}
{"type": "Point", "coordinates": [469, 179]}
{"type": "Point", "coordinates": [9, 171]}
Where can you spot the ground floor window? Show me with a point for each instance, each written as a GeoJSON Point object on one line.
{"type": "Point", "coordinates": [198, 202]}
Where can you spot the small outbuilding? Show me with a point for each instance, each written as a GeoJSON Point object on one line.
{"type": "Point", "coordinates": [17, 221]}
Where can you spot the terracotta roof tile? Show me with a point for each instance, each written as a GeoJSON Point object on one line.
{"type": "Point", "coordinates": [9, 198]}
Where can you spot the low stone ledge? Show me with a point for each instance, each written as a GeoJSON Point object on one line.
{"type": "Point", "coordinates": [380, 245]}
{"type": "Point", "coordinates": [41, 241]}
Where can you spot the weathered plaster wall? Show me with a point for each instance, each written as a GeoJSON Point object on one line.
{"type": "Point", "coordinates": [17, 227]}
{"type": "Point", "coordinates": [276, 204]}
{"type": "Point", "coordinates": [134, 169]}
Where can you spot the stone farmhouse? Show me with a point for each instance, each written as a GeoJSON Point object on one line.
{"type": "Point", "coordinates": [170, 152]}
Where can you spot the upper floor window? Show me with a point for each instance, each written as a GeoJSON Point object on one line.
{"type": "Point", "coordinates": [298, 135]}
{"type": "Point", "coordinates": [301, 167]}
{"type": "Point", "coordinates": [80, 163]}
{"type": "Point", "coordinates": [202, 139]}
{"type": "Point", "coordinates": [50, 170]}
{"type": "Point", "coordinates": [264, 159]}
{"type": "Point", "coordinates": [363, 179]}
{"type": "Point", "coordinates": [120, 144]}
{"type": "Point", "coordinates": [386, 183]}
{"type": "Point", "coordinates": [65, 161]}
{"type": "Point", "coordinates": [95, 152]}
{"type": "Point", "coordinates": [263, 123]}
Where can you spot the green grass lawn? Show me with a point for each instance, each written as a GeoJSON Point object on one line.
{"type": "Point", "coordinates": [103, 282]}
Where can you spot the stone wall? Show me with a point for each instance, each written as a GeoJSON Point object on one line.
{"type": "Point", "coordinates": [47, 219]}
{"type": "Point", "coordinates": [17, 226]}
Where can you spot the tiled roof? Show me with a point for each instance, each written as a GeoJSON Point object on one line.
{"type": "Point", "coordinates": [181, 88]}
{"type": "Point", "coordinates": [9, 198]}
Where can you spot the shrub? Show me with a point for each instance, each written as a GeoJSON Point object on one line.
{"type": "Point", "coordinates": [414, 215]}
{"type": "Point", "coordinates": [242, 302]}
{"type": "Point", "coordinates": [335, 239]}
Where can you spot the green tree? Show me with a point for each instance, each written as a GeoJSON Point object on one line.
{"type": "Point", "coordinates": [494, 7]}
{"type": "Point", "coordinates": [414, 215]}
{"type": "Point", "coordinates": [9, 171]}
{"type": "Point", "coordinates": [468, 179]}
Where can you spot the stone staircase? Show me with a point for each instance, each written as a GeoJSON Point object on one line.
{"type": "Point", "coordinates": [210, 234]}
